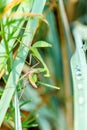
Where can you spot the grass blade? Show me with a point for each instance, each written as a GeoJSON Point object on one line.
{"type": "Point", "coordinates": [48, 85]}
{"type": "Point", "coordinates": [18, 125]}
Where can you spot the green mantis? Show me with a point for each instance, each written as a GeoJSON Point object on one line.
{"type": "Point", "coordinates": [33, 72]}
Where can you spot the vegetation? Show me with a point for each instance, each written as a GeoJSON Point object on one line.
{"type": "Point", "coordinates": [37, 41]}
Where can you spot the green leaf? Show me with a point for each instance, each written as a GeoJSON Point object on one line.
{"type": "Point", "coordinates": [32, 125]}
{"type": "Point", "coordinates": [25, 102]}
{"type": "Point", "coordinates": [2, 6]}
{"type": "Point", "coordinates": [41, 44]}
{"type": "Point", "coordinates": [48, 85]}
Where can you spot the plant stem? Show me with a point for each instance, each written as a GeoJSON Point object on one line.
{"type": "Point", "coordinates": [6, 47]}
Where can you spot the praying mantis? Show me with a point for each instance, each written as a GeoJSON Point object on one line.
{"type": "Point", "coordinates": [32, 73]}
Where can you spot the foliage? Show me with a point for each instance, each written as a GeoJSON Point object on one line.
{"type": "Point", "coordinates": [12, 64]}
{"type": "Point", "coordinates": [35, 50]}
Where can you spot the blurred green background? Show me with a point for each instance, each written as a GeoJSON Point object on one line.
{"type": "Point", "coordinates": [61, 15]}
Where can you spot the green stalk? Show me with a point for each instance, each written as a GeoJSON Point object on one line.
{"type": "Point", "coordinates": [6, 47]}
